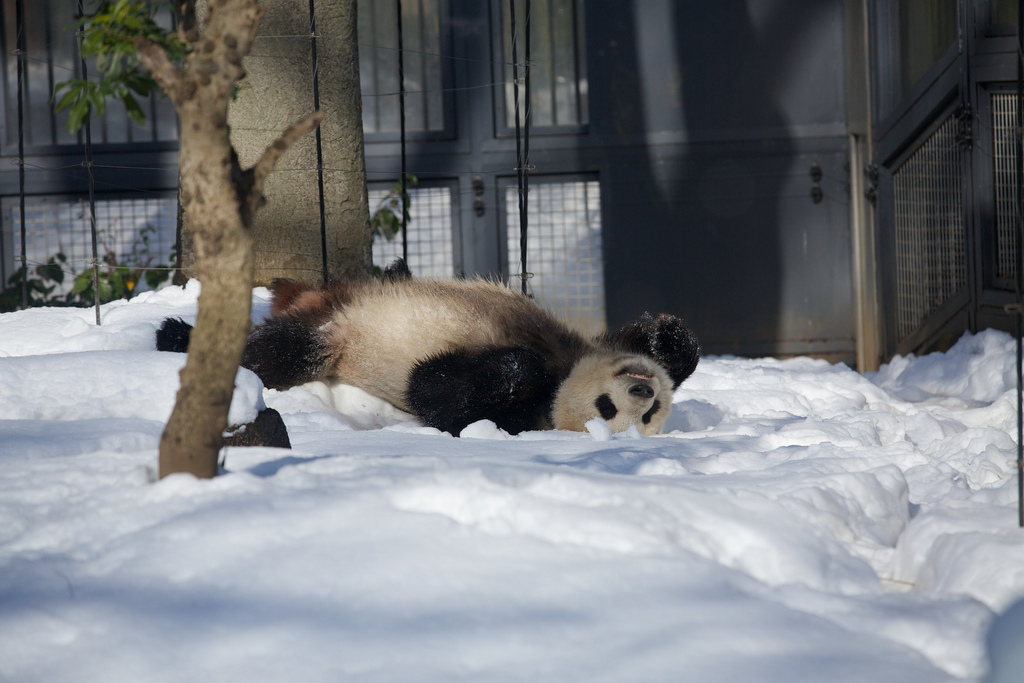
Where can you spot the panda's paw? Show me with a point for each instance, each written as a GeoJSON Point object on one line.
{"type": "Point", "coordinates": [173, 335]}
{"type": "Point", "coordinates": [665, 338]}
{"type": "Point", "coordinates": [396, 271]}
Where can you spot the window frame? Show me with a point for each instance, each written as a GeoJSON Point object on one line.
{"type": "Point", "coordinates": [448, 94]}
{"type": "Point", "coordinates": [501, 128]}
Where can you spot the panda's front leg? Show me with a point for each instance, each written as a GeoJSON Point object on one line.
{"type": "Point", "coordinates": [511, 386]}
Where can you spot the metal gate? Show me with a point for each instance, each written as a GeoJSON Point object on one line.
{"type": "Point", "coordinates": [946, 168]}
{"type": "Point", "coordinates": [931, 262]}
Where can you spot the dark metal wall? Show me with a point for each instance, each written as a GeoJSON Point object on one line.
{"type": "Point", "coordinates": [129, 158]}
{"type": "Point", "coordinates": [721, 111]}
{"type": "Point", "coordinates": [706, 124]}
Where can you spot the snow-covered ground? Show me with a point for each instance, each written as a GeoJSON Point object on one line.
{"type": "Point", "coordinates": [796, 521]}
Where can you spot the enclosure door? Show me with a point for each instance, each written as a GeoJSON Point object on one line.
{"type": "Point", "coordinates": [945, 159]}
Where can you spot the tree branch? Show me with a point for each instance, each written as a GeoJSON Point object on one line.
{"type": "Point", "coordinates": [251, 186]}
{"type": "Point", "coordinates": [188, 27]}
{"type": "Point", "coordinates": [167, 76]}
{"type": "Point", "coordinates": [254, 27]}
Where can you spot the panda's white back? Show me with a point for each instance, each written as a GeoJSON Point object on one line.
{"type": "Point", "coordinates": [389, 326]}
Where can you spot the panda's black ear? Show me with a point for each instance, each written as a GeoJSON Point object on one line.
{"type": "Point", "coordinates": [666, 338]}
{"type": "Point", "coordinates": [397, 271]}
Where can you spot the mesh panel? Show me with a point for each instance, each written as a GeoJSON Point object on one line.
{"type": "Point", "coordinates": [430, 233]}
{"type": "Point", "coordinates": [1004, 157]}
{"type": "Point", "coordinates": [62, 225]}
{"type": "Point", "coordinates": [564, 251]}
{"type": "Point", "coordinates": [931, 263]}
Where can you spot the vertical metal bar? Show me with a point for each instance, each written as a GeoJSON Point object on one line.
{"type": "Point", "coordinates": [49, 70]}
{"type": "Point", "coordinates": [421, 27]}
{"type": "Point", "coordinates": [550, 40]}
{"type": "Point", "coordinates": [401, 127]}
{"type": "Point", "coordinates": [524, 191]}
{"type": "Point", "coordinates": [19, 13]}
{"type": "Point", "coordinates": [4, 88]}
{"type": "Point", "coordinates": [372, 49]}
{"type": "Point", "coordinates": [319, 143]}
{"type": "Point", "coordinates": [576, 64]}
{"type": "Point", "coordinates": [92, 183]}
{"type": "Point", "coordinates": [519, 141]}
{"type": "Point", "coordinates": [1019, 275]}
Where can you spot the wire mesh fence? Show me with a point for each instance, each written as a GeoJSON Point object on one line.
{"type": "Point", "coordinates": [931, 261]}
{"type": "Point", "coordinates": [430, 246]}
{"type": "Point", "coordinates": [1004, 168]}
{"type": "Point", "coordinates": [566, 261]}
{"type": "Point", "coordinates": [136, 220]}
{"type": "Point", "coordinates": [138, 233]}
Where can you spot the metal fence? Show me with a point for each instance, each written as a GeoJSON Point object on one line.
{"type": "Point", "coordinates": [931, 262]}
{"type": "Point", "coordinates": [430, 247]}
{"type": "Point", "coordinates": [137, 233]}
{"type": "Point", "coordinates": [566, 261]}
{"type": "Point", "coordinates": [1004, 171]}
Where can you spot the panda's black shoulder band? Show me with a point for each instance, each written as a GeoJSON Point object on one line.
{"type": "Point", "coordinates": [510, 386]}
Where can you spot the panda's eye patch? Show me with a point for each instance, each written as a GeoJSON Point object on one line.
{"type": "Point", "coordinates": [605, 406]}
{"type": "Point", "coordinates": [650, 413]}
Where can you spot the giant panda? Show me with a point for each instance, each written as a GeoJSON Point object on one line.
{"type": "Point", "coordinates": [453, 352]}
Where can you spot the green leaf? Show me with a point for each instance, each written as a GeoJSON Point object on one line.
{"type": "Point", "coordinates": [73, 94]}
{"type": "Point", "coordinates": [106, 290]}
{"type": "Point", "coordinates": [76, 118]}
{"type": "Point", "coordinates": [82, 282]}
{"type": "Point", "coordinates": [132, 107]}
{"type": "Point", "coordinates": [53, 271]}
{"type": "Point", "coordinates": [155, 278]}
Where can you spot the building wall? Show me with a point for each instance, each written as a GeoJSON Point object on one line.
{"type": "Point", "coordinates": [716, 133]}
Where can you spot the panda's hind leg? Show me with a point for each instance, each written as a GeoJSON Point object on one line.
{"type": "Point", "coordinates": [173, 335]}
{"type": "Point", "coordinates": [285, 352]}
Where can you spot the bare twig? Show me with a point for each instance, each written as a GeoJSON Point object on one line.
{"type": "Point", "coordinates": [188, 27]}
{"type": "Point", "coordinates": [167, 76]}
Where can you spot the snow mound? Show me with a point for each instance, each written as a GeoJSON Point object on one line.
{"type": "Point", "coordinates": [796, 521]}
{"type": "Point", "coordinates": [108, 384]}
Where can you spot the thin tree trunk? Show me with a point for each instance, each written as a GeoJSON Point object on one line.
{"type": "Point", "coordinates": [219, 199]}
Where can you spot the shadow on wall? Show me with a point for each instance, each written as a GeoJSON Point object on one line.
{"type": "Point", "coordinates": [700, 83]}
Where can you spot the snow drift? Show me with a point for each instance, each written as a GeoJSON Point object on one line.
{"type": "Point", "coordinates": [796, 521]}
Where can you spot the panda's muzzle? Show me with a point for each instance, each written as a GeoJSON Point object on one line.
{"type": "Point", "coordinates": [641, 391]}
{"type": "Point", "coordinates": [640, 378]}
